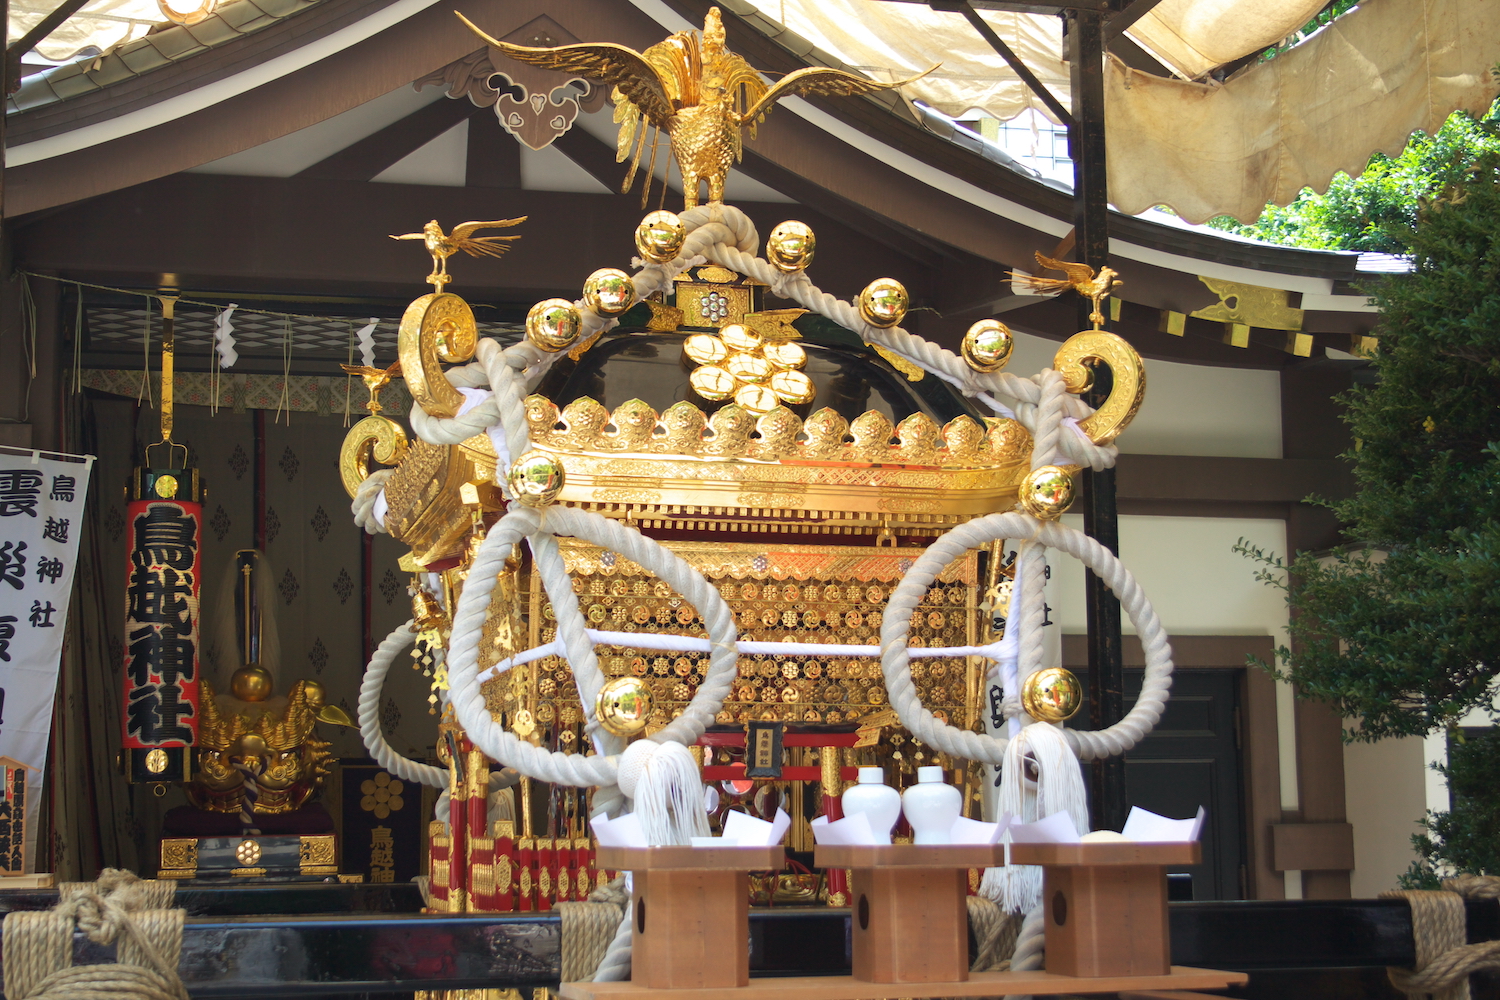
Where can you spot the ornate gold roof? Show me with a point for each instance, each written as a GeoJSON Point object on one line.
{"type": "Point", "coordinates": [777, 465]}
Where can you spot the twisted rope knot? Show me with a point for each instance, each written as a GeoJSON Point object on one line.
{"type": "Point", "coordinates": [118, 908]}
{"type": "Point", "coordinates": [1439, 928]}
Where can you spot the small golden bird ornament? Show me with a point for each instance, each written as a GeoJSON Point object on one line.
{"type": "Point", "coordinates": [1080, 278]}
{"type": "Point", "coordinates": [444, 245]}
{"type": "Point", "coordinates": [374, 379]}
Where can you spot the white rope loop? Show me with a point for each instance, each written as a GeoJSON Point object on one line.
{"type": "Point", "coordinates": [895, 657]}
{"type": "Point", "coordinates": [369, 713]}
{"type": "Point", "coordinates": [473, 605]}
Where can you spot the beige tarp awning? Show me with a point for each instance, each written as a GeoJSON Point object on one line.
{"type": "Point", "coordinates": [1360, 85]}
{"type": "Point", "coordinates": [101, 25]}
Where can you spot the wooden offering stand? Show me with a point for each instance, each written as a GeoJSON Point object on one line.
{"type": "Point", "coordinates": [691, 911]}
{"type": "Point", "coordinates": [909, 922]}
{"type": "Point", "coordinates": [1106, 923]}
{"type": "Point", "coordinates": [1106, 904]}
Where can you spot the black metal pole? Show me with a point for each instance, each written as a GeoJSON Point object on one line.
{"type": "Point", "coordinates": [1107, 798]}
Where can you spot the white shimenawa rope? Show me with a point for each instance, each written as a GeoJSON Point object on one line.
{"type": "Point", "coordinates": [369, 714]}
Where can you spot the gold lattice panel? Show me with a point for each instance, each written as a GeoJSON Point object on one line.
{"type": "Point", "coordinates": [816, 594]}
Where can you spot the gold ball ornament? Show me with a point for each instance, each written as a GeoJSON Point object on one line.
{"type": "Point", "coordinates": [313, 694]}
{"type": "Point", "coordinates": [623, 706]}
{"type": "Point", "coordinates": [791, 246]}
{"type": "Point", "coordinates": [252, 745]}
{"type": "Point", "coordinates": [987, 345]}
{"type": "Point", "coordinates": [740, 338]}
{"type": "Point", "coordinates": [748, 367]}
{"type": "Point", "coordinates": [705, 349]}
{"type": "Point", "coordinates": [252, 683]}
{"type": "Point", "coordinates": [553, 325]}
{"type": "Point", "coordinates": [758, 399]}
{"type": "Point", "coordinates": [659, 237]}
{"type": "Point", "coordinates": [784, 354]}
{"type": "Point", "coordinates": [712, 383]}
{"type": "Point", "coordinates": [536, 478]}
{"type": "Point", "coordinates": [1047, 492]}
{"type": "Point", "coordinates": [793, 387]}
{"type": "Point", "coordinates": [609, 291]}
{"type": "Point", "coordinates": [883, 303]}
{"type": "Point", "coordinates": [1052, 695]}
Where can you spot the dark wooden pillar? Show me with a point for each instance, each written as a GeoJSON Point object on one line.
{"type": "Point", "coordinates": [1107, 794]}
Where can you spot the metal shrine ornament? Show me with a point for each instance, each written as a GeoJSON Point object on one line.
{"type": "Point", "coordinates": [791, 246]}
{"type": "Point", "coordinates": [758, 373]}
{"type": "Point", "coordinates": [536, 479]}
{"type": "Point", "coordinates": [1046, 493]}
{"type": "Point", "coordinates": [553, 325]}
{"type": "Point", "coordinates": [691, 87]}
{"type": "Point", "coordinates": [443, 245]}
{"type": "Point", "coordinates": [659, 237]}
{"type": "Point", "coordinates": [883, 303]}
{"type": "Point", "coordinates": [375, 438]}
{"type": "Point", "coordinates": [623, 706]}
{"type": "Point", "coordinates": [1053, 694]}
{"type": "Point", "coordinates": [609, 291]}
{"type": "Point", "coordinates": [987, 345]}
{"type": "Point", "coordinates": [1081, 278]}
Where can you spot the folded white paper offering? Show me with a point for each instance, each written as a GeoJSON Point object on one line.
{"type": "Point", "coordinates": [1142, 827]}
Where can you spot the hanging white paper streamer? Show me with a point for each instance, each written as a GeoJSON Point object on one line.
{"type": "Point", "coordinates": [224, 337]}
{"type": "Point", "coordinates": [366, 336]}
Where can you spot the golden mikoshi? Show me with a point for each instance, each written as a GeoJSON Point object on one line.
{"type": "Point", "coordinates": [883, 303]}
{"type": "Point", "coordinates": [987, 345]}
{"type": "Point", "coordinates": [609, 291]}
{"type": "Point", "coordinates": [553, 325]}
{"type": "Point", "coordinates": [623, 706]}
{"type": "Point", "coordinates": [791, 246]}
{"type": "Point", "coordinates": [659, 237]}
{"type": "Point", "coordinates": [1052, 695]}
{"type": "Point", "coordinates": [1047, 492]}
{"type": "Point", "coordinates": [536, 478]}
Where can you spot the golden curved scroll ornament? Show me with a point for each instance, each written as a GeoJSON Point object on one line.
{"type": "Point", "coordinates": [1109, 420]}
{"type": "Point", "coordinates": [375, 437]}
{"type": "Point", "coordinates": [436, 327]}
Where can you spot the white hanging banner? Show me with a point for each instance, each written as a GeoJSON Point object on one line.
{"type": "Point", "coordinates": [42, 499]}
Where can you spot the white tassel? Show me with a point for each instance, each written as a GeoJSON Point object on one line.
{"type": "Point", "coordinates": [1058, 788]}
{"type": "Point", "coordinates": [669, 797]}
{"type": "Point", "coordinates": [224, 337]}
{"type": "Point", "coordinates": [366, 338]}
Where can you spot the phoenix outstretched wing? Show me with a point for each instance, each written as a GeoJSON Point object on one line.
{"type": "Point", "coordinates": [821, 81]}
{"type": "Point", "coordinates": [1078, 274]}
{"type": "Point", "coordinates": [463, 237]}
{"type": "Point", "coordinates": [614, 65]}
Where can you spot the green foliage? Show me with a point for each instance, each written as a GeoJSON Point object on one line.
{"type": "Point", "coordinates": [1370, 212]}
{"type": "Point", "coordinates": [1397, 633]}
{"type": "Point", "coordinates": [1467, 838]}
{"type": "Point", "coordinates": [1400, 634]}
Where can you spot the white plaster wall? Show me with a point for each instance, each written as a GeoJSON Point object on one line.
{"type": "Point", "coordinates": [1189, 409]}
{"type": "Point", "coordinates": [1385, 793]}
{"type": "Point", "coordinates": [1195, 582]}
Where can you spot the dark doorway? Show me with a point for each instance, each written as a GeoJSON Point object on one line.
{"type": "Point", "coordinates": [1192, 758]}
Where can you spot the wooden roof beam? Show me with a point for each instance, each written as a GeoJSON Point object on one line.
{"type": "Point", "coordinates": [369, 156]}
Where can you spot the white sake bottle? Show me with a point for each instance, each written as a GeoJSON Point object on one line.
{"type": "Point", "coordinates": [931, 806]}
{"type": "Point", "coordinates": [880, 803]}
